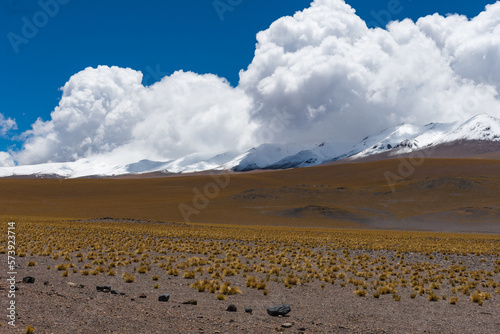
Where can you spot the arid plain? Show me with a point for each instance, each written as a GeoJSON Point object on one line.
{"type": "Point", "coordinates": [349, 251]}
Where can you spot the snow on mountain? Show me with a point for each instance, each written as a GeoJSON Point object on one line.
{"type": "Point", "coordinates": [74, 169]}
{"type": "Point", "coordinates": [195, 163]}
{"type": "Point", "coordinates": [316, 155]}
{"type": "Point", "coordinates": [479, 127]}
{"type": "Point", "coordinates": [403, 138]}
{"type": "Point", "coordinates": [261, 157]}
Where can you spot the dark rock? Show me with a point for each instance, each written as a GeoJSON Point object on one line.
{"type": "Point", "coordinates": [279, 310]}
{"type": "Point", "coordinates": [142, 295]}
{"type": "Point", "coordinates": [248, 310]}
{"type": "Point", "coordinates": [29, 279]}
{"type": "Point", "coordinates": [114, 292]}
{"type": "Point", "coordinates": [232, 308]}
{"type": "Point", "coordinates": [164, 298]}
{"type": "Point", "coordinates": [190, 302]}
{"type": "Point", "coordinates": [105, 288]}
{"type": "Point", "coordinates": [46, 283]}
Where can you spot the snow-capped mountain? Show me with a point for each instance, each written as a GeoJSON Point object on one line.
{"type": "Point", "coordinates": [401, 139]}
{"type": "Point", "coordinates": [275, 156]}
{"type": "Point", "coordinates": [479, 127]}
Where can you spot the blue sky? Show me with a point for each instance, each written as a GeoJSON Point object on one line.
{"type": "Point", "coordinates": [155, 37]}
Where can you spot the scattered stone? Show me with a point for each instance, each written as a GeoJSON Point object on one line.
{"type": "Point", "coordinates": [73, 285]}
{"type": "Point", "coordinates": [46, 283]}
{"type": "Point", "coordinates": [122, 293]}
{"type": "Point", "coordinates": [29, 280]}
{"type": "Point", "coordinates": [248, 310]}
{"type": "Point", "coordinates": [287, 325]}
{"type": "Point", "coordinates": [279, 310]}
{"type": "Point", "coordinates": [105, 288]}
{"type": "Point", "coordinates": [190, 302]}
{"type": "Point", "coordinates": [302, 329]}
{"type": "Point", "coordinates": [164, 298]}
{"type": "Point", "coordinates": [232, 308]}
{"type": "Point", "coordinates": [113, 292]}
{"type": "Point", "coordinates": [142, 295]}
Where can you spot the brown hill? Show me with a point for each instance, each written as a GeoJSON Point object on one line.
{"type": "Point", "coordinates": [440, 194]}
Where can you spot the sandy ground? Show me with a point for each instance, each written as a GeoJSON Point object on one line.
{"type": "Point", "coordinates": [50, 305]}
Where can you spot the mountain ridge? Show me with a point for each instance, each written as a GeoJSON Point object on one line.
{"type": "Point", "coordinates": [397, 141]}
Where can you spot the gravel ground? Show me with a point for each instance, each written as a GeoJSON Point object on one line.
{"type": "Point", "coordinates": [51, 305]}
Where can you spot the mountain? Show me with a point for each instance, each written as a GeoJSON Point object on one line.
{"type": "Point", "coordinates": [477, 137]}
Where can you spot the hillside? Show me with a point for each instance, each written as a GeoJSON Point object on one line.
{"type": "Point", "coordinates": [441, 195]}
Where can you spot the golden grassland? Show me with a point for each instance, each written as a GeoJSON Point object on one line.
{"type": "Point", "coordinates": [437, 266]}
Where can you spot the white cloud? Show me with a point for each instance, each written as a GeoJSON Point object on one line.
{"type": "Point", "coordinates": [6, 124]}
{"type": "Point", "coordinates": [6, 160]}
{"type": "Point", "coordinates": [325, 74]}
{"type": "Point", "coordinates": [107, 111]}
{"type": "Point", "coordinates": [321, 74]}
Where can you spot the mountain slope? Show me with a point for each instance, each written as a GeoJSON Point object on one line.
{"type": "Point", "coordinates": [478, 135]}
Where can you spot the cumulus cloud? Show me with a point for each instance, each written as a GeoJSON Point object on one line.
{"type": "Point", "coordinates": [6, 124]}
{"type": "Point", "coordinates": [106, 111]}
{"type": "Point", "coordinates": [322, 73]}
{"type": "Point", "coordinates": [319, 75]}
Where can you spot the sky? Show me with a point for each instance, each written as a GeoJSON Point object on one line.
{"type": "Point", "coordinates": [182, 76]}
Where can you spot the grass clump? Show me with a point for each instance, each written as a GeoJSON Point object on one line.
{"type": "Point", "coordinates": [227, 289]}
{"type": "Point", "coordinates": [360, 292]}
{"type": "Point", "coordinates": [129, 278]}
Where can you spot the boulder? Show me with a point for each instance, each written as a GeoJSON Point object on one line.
{"type": "Point", "coordinates": [164, 298]}
{"type": "Point", "coordinates": [29, 280]}
{"type": "Point", "coordinates": [279, 310]}
{"type": "Point", "coordinates": [105, 288]}
{"type": "Point", "coordinates": [232, 308]}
